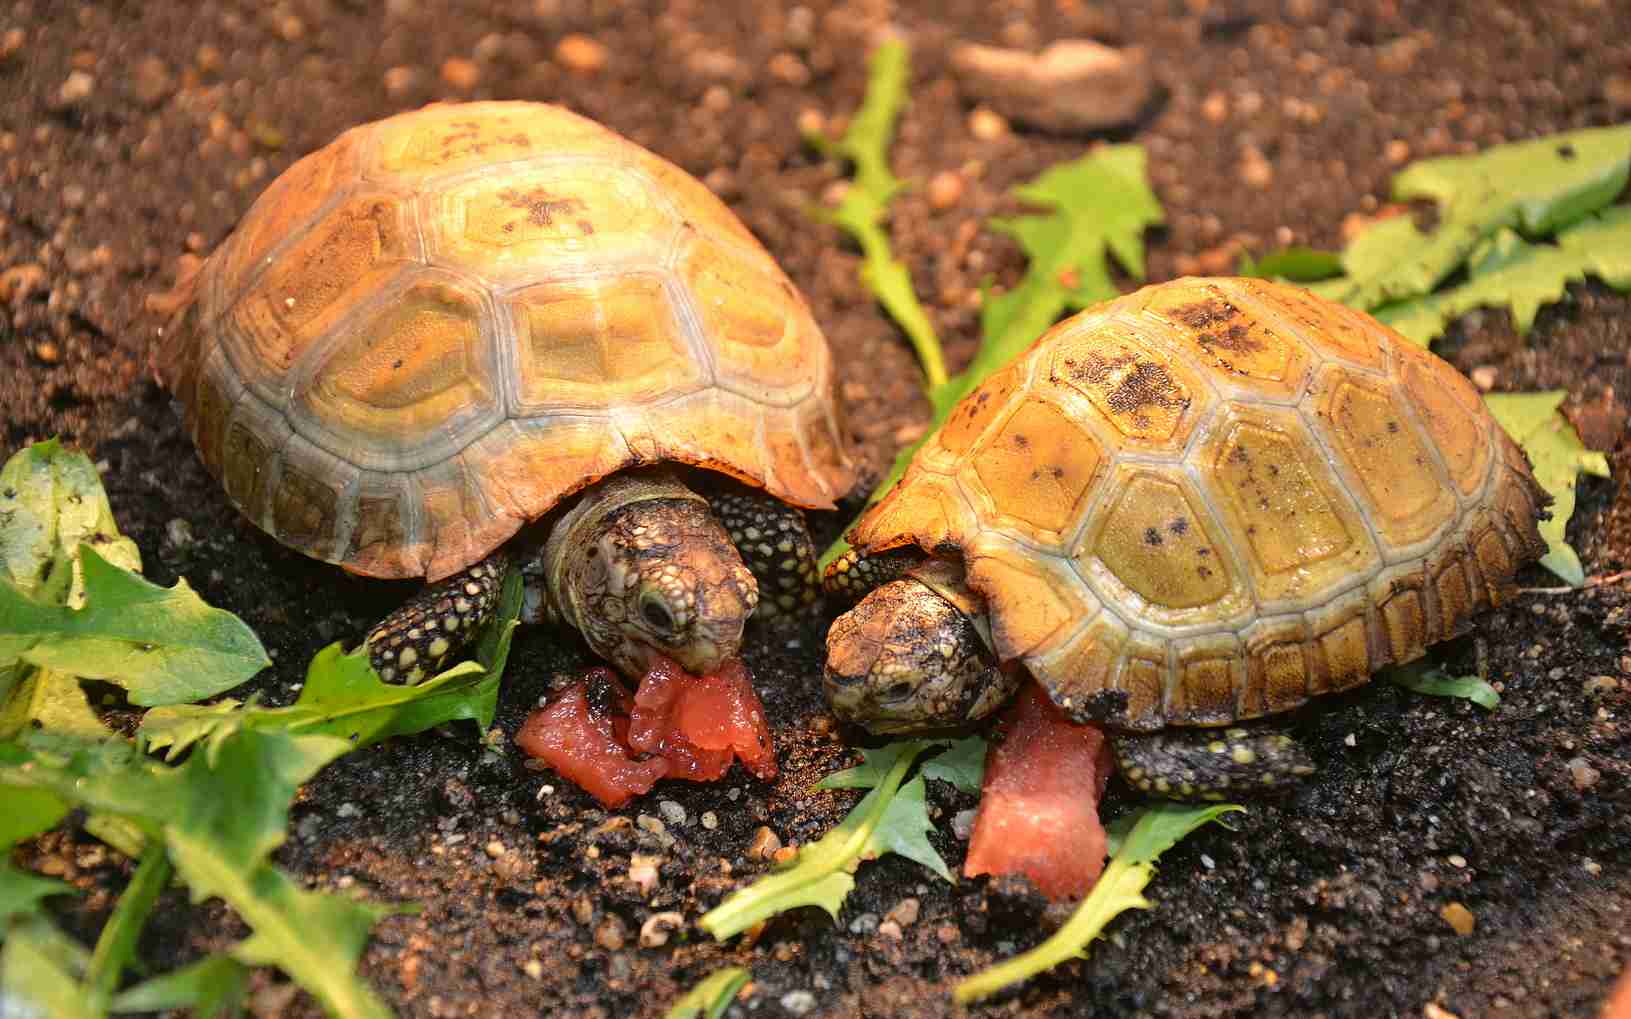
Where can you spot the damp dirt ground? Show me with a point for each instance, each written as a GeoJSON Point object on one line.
{"type": "Point", "coordinates": [132, 134]}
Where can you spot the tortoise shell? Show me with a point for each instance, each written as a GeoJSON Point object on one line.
{"type": "Point", "coordinates": [1214, 499]}
{"type": "Point", "coordinates": [431, 331]}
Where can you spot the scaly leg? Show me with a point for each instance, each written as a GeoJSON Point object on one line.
{"type": "Point", "coordinates": [1209, 764]}
{"type": "Point", "coordinates": [411, 643]}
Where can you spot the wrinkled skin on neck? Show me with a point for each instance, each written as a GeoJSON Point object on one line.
{"type": "Point", "coordinates": [905, 659]}
{"type": "Point", "coordinates": [641, 568]}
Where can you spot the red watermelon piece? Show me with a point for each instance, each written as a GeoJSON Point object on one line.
{"type": "Point", "coordinates": [1039, 808]}
{"type": "Point", "coordinates": [676, 725]}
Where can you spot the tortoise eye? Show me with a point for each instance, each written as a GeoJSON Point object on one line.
{"type": "Point", "coordinates": [897, 691]}
{"type": "Point", "coordinates": [656, 613]}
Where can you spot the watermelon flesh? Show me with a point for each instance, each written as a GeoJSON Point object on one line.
{"type": "Point", "coordinates": [1039, 807]}
{"type": "Point", "coordinates": [616, 746]}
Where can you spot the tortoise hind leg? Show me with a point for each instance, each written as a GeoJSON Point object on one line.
{"type": "Point", "coordinates": [411, 643]}
{"type": "Point", "coordinates": [774, 543]}
{"type": "Point", "coordinates": [1208, 764]}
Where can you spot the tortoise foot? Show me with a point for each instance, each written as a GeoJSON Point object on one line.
{"type": "Point", "coordinates": [1210, 764]}
{"type": "Point", "coordinates": [411, 643]}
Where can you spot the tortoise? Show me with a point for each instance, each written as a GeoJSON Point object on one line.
{"type": "Point", "coordinates": [455, 322]}
{"type": "Point", "coordinates": [1203, 502]}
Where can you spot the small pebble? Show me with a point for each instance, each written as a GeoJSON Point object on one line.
{"type": "Point", "coordinates": [1584, 775]}
{"type": "Point", "coordinates": [645, 822]}
{"type": "Point", "coordinates": [785, 854]}
{"type": "Point", "coordinates": [1255, 169]}
{"type": "Point", "coordinates": [905, 912]}
{"type": "Point", "coordinates": [1458, 917]}
{"type": "Point", "coordinates": [962, 824]}
{"type": "Point", "coordinates": [178, 532]}
{"type": "Point", "coordinates": [654, 932]}
{"type": "Point", "coordinates": [1598, 686]}
{"type": "Point", "coordinates": [672, 812]}
{"type": "Point", "coordinates": [643, 872]}
{"type": "Point", "coordinates": [947, 934]}
{"type": "Point", "coordinates": [987, 125]}
{"type": "Point", "coordinates": [889, 929]}
{"type": "Point", "coordinates": [399, 81]}
{"type": "Point", "coordinates": [533, 968]}
{"type": "Point", "coordinates": [811, 122]}
{"type": "Point", "coordinates": [798, 1002]}
{"type": "Point", "coordinates": [945, 189]}
{"type": "Point", "coordinates": [461, 73]}
{"type": "Point", "coordinates": [610, 935]}
{"type": "Point", "coordinates": [11, 43]}
{"type": "Point", "coordinates": [495, 849]}
{"type": "Point", "coordinates": [20, 281]}
{"type": "Point", "coordinates": [1591, 866]}
{"type": "Point", "coordinates": [76, 88]}
{"type": "Point", "coordinates": [788, 69]}
{"type": "Point", "coordinates": [1215, 107]}
{"type": "Point", "coordinates": [865, 923]}
{"type": "Point", "coordinates": [580, 54]}
{"type": "Point", "coordinates": [583, 910]}
{"type": "Point", "coordinates": [765, 844]}
{"type": "Point", "coordinates": [1457, 860]}
{"type": "Point", "coordinates": [348, 809]}
{"type": "Point", "coordinates": [710, 820]}
{"type": "Point", "coordinates": [1396, 152]}
{"type": "Point", "coordinates": [48, 352]}
{"type": "Point", "coordinates": [1484, 377]}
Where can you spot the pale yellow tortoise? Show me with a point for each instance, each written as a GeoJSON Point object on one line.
{"type": "Point", "coordinates": [450, 324]}
{"type": "Point", "coordinates": [1204, 502]}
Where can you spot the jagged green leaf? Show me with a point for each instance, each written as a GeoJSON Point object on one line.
{"type": "Point", "coordinates": [1557, 456]}
{"type": "Point", "coordinates": [711, 997]}
{"type": "Point", "coordinates": [876, 764]}
{"type": "Point", "coordinates": [162, 645]}
{"type": "Point", "coordinates": [861, 212]}
{"type": "Point", "coordinates": [1096, 207]}
{"type": "Point", "coordinates": [1534, 186]}
{"type": "Point", "coordinates": [51, 502]}
{"type": "Point", "coordinates": [220, 816]}
{"type": "Point", "coordinates": [1141, 839]}
{"type": "Point", "coordinates": [963, 764]}
{"type": "Point", "coordinates": [214, 987]}
{"type": "Point", "coordinates": [1296, 263]}
{"type": "Point", "coordinates": [904, 830]}
{"type": "Point", "coordinates": [343, 696]}
{"type": "Point", "coordinates": [314, 937]}
{"type": "Point", "coordinates": [22, 892]}
{"type": "Point", "coordinates": [1510, 271]}
{"type": "Point", "coordinates": [820, 874]}
{"type": "Point", "coordinates": [40, 969]}
{"type": "Point", "coordinates": [1435, 682]}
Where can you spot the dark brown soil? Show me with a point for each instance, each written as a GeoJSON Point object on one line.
{"type": "Point", "coordinates": [131, 133]}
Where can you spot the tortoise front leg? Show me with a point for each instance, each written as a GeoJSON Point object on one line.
{"type": "Point", "coordinates": [775, 544]}
{"type": "Point", "coordinates": [1208, 764]}
{"type": "Point", "coordinates": [412, 642]}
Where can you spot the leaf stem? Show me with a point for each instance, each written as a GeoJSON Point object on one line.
{"type": "Point", "coordinates": [116, 946]}
{"type": "Point", "coordinates": [1119, 888]}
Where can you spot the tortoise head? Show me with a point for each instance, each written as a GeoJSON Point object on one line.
{"type": "Point", "coordinates": [905, 659]}
{"type": "Point", "coordinates": [659, 576]}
